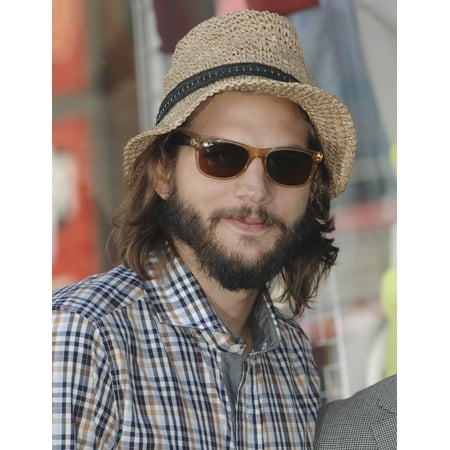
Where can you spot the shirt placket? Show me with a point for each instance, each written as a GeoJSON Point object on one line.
{"type": "Point", "coordinates": [249, 417]}
{"type": "Point", "coordinates": [222, 342]}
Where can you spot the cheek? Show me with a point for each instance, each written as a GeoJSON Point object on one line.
{"type": "Point", "coordinates": [293, 203]}
{"type": "Point", "coordinates": [183, 173]}
{"type": "Point", "coordinates": [190, 184]}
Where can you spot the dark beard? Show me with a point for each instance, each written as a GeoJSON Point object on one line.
{"type": "Point", "coordinates": [180, 220]}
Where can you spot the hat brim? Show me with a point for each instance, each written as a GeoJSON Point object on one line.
{"type": "Point", "coordinates": [329, 116]}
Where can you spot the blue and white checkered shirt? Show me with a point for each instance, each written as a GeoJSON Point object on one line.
{"type": "Point", "coordinates": [145, 365]}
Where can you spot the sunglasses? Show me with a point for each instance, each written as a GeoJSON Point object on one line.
{"type": "Point", "coordinates": [221, 159]}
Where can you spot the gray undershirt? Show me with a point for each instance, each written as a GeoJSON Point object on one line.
{"type": "Point", "coordinates": [265, 337]}
{"type": "Point", "coordinates": [232, 373]}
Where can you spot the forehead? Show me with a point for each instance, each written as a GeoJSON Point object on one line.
{"type": "Point", "coordinates": [247, 115]}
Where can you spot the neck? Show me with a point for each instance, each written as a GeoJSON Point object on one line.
{"type": "Point", "coordinates": [233, 307]}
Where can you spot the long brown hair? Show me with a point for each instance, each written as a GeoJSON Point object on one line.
{"type": "Point", "coordinates": [136, 231]}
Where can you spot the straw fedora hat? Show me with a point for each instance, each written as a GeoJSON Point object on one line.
{"type": "Point", "coordinates": [249, 51]}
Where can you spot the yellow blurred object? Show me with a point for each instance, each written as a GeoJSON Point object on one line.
{"type": "Point", "coordinates": [393, 156]}
{"type": "Point", "coordinates": [388, 296]}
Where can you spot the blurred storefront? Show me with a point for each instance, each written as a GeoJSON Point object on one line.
{"type": "Point", "coordinates": [94, 114]}
{"type": "Point", "coordinates": [109, 58]}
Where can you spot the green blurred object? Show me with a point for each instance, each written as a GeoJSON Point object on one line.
{"type": "Point", "coordinates": [393, 156]}
{"type": "Point", "coordinates": [388, 296]}
{"type": "Point", "coordinates": [389, 304]}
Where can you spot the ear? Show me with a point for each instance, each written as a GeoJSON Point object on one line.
{"type": "Point", "coordinates": [163, 183]}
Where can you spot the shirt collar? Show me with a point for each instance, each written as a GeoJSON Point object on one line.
{"type": "Point", "coordinates": [179, 300]}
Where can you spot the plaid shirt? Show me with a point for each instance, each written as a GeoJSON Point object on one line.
{"type": "Point", "coordinates": [139, 364]}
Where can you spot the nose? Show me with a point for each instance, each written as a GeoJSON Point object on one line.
{"type": "Point", "coordinates": [253, 184]}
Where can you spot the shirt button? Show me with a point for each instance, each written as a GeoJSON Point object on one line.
{"type": "Point", "coordinates": [236, 348]}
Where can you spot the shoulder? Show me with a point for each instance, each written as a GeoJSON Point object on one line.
{"type": "Point", "coordinates": [383, 390]}
{"type": "Point", "coordinates": [100, 294]}
{"type": "Point", "coordinates": [353, 419]}
{"type": "Point", "coordinates": [93, 315]}
{"type": "Point", "coordinates": [383, 393]}
{"type": "Point", "coordinates": [361, 404]}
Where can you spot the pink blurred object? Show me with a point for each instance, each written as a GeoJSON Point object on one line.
{"type": "Point", "coordinates": [282, 6]}
{"type": "Point", "coordinates": [226, 6]}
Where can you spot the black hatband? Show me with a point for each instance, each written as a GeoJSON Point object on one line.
{"type": "Point", "coordinates": [210, 76]}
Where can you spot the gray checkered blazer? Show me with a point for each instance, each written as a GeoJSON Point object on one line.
{"type": "Point", "coordinates": [365, 421]}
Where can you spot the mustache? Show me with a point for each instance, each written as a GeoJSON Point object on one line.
{"type": "Point", "coordinates": [245, 212]}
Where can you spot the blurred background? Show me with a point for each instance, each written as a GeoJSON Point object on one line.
{"type": "Point", "coordinates": [109, 58]}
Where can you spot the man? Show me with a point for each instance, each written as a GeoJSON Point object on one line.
{"type": "Point", "coordinates": [181, 346]}
{"type": "Point", "coordinates": [365, 421]}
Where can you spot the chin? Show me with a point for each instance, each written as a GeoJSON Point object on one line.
{"type": "Point", "coordinates": [249, 251]}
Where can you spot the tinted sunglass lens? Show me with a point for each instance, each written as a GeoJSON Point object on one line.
{"type": "Point", "coordinates": [222, 159]}
{"type": "Point", "coordinates": [289, 167]}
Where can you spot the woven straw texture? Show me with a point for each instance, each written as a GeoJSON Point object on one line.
{"type": "Point", "coordinates": [256, 37]}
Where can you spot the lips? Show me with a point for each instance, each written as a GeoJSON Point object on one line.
{"type": "Point", "coordinates": [247, 219]}
{"type": "Point", "coordinates": [252, 220]}
{"type": "Point", "coordinates": [249, 224]}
